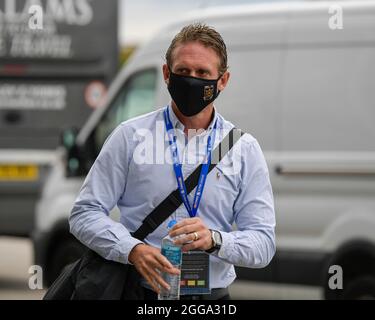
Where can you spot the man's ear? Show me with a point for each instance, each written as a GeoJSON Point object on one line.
{"type": "Point", "coordinates": [222, 83]}
{"type": "Point", "coordinates": [166, 74]}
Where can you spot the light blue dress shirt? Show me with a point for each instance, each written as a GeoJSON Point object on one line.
{"type": "Point", "coordinates": [132, 173]}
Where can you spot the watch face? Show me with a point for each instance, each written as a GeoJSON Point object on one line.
{"type": "Point", "coordinates": [217, 238]}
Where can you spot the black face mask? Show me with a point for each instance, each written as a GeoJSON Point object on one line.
{"type": "Point", "coordinates": [191, 94]}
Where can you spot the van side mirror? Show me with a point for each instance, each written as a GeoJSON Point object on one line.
{"type": "Point", "coordinates": [74, 157]}
{"type": "Point", "coordinates": [69, 138]}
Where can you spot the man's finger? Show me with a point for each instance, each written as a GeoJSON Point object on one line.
{"type": "Point", "coordinates": [183, 230]}
{"type": "Point", "coordinates": [164, 264]}
{"type": "Point", "coordinates": [156, 276]}
{"type": "Point", "coordinates": [185, 239]}
{"type": "Point", "coordinates": [184, 222]}
{"type": "Point", "coordinates": [151, 282]}
{"type": "Point", "coordinates": [193, 245]}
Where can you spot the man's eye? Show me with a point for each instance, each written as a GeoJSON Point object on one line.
{"type": "Point", "coordinates": [182, 71]}
{"type": "Point", "coordinates": [203, 73]}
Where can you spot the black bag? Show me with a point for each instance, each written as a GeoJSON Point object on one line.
{"type": "Point", "coordinates": [93, 277]}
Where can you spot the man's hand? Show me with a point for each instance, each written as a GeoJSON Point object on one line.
{"type": "Point", "coordinates": [191, 228]}
{"type": "Point", "coordinates": [149, 262]}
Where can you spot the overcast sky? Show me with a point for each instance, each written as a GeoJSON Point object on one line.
{"type": "Point", "coordinates": [139, 19]}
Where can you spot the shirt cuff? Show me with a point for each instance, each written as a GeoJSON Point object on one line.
{"type": "Point", "coordinates": [125, 247]}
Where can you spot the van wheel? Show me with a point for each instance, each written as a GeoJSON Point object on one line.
{"type": "Point", "coordinates": [65, 252]}
{"type": "Point", "coordinates": [362, 288]}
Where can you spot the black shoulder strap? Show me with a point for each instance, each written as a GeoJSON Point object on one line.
{"type": "Point", "coordinates": [173, 201]}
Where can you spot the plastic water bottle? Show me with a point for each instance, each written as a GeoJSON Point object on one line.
{"type": "Point", "coordinates": [174, 254]}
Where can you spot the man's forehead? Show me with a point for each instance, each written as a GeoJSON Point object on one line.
{"type": "Point", "coordinates": [196, 53]}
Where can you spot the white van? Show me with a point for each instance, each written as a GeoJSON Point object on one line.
{"type": "Point", "coordinates": [307, 93]}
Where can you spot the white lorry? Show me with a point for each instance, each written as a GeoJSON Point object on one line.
{"type": "Point", "coordinates": [43, 73]}
{"type": "Point", "coordinates": [307, 93]}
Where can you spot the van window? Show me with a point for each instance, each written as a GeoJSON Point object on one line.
{"type": "Point", "coordinates": [135, 98]}
{"type": "Point", "coordinates": [329, 98]}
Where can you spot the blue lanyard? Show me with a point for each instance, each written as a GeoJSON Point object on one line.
{"type": "Point", "coordinates": [177, 166]}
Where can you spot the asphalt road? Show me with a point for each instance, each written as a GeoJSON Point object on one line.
{"type": "Point", "coordinates": [16, 259]}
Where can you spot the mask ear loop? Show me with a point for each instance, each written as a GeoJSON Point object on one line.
{"type": "Point", "coordinates": [218, 91]}
{"type": "Point", "coordinates": [170, 72]}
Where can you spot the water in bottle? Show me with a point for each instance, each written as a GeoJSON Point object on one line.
{"type": "Point", "coordinates": [174, 254]}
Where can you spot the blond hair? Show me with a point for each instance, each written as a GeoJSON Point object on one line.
{"type": "Point", "coordinates": [204, 34]}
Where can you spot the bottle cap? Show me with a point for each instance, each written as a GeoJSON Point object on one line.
{"type": "Point", "coordinates": [171, 224]}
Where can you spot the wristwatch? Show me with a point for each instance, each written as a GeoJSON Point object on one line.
{"type": "Point", "coordinates": [216, 240]}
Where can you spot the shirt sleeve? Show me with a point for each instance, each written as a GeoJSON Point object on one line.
{"type": "Point", "coordinates": [104, 185]}
{"type": "Point", "coordinates": [253, 243]}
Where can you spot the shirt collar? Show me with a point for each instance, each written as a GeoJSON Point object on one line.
{"type": "Point", "coordinates": [178, 124]}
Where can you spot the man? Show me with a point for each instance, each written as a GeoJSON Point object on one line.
{"type": "Point", "coordinates": [195, 73]}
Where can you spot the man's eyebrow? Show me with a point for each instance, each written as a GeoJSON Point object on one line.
{"type": "Point", "coordinates": [204, 69]}
{"type": "Point", "coordinates": [189, 68]}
